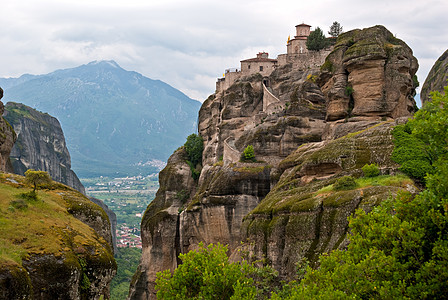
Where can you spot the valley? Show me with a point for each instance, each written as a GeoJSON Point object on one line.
{"type": "Point", "coordinates": [128, 197]}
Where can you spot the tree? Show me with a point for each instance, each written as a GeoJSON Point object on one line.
{"type": "Point", "coordinates": [398, 250]}
{"type": "Point", "coordinates": [335, 29]}
{"type": "Point", "coordinates": [205, 274]}
{"type": "Point", "coordinates": [316, 40]}
{"type": "Point", "coordinates": [194, 146]}
{"type": "Point", "coordinates": [37, 177]}
{"type": "Point", "coordinates": [248, 154]}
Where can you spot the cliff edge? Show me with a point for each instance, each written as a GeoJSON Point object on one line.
{"type": "Point", "coordinates": [40, 145]}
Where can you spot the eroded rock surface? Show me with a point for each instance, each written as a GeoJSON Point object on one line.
{"type": "Point", "coordinates": [7, 139]}
{"type": "Point", "coordinates": [436, 79]}
{"type": "Point", "coordinates": [368, 74]}
{"type": "Point", "coordinates": [40, 145]}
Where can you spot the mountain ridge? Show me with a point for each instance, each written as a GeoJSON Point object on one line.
{"type": "Point", "coordinates": [109, 115]}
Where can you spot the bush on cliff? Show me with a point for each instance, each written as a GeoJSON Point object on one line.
{"type": "Point", "coordinates": [194, 146]}
{"type": "Point", "coordinates": [248, 154]}
{"type": "Point", "coordinates": [345, 183]}
{"type": "Point", "coordinates": [371, 170]}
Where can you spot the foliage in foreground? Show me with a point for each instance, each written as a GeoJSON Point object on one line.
{"type": "Point", "coordinates": [208, 274]}
{"type": "Point", "coordinates": [423, 140]}
{"type": "Point", "coordinates": [397, 251]}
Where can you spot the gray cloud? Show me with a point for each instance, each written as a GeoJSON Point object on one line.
{"type": "Point", "coordinates": [188, 44]}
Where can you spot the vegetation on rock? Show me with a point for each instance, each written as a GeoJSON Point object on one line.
{"type": "Point", "coordinates": [50, 239]}
{"type": "Point", "coordinates": [335, 29]}
{"type": "Point", "coordinates": [208, 274]}
{"type": "Point", "coordinates": [194, 146]}
{"type": "Point", "coordinates": [37, 178]}
{"type": "Point", "coordinates": [371, 170]}
{"type": "Point", "coordinates": [345, 183]}
{"type": "Point", "coordinates": [248, 154]}
{"type": "Point", "coordinates": [316, 40]}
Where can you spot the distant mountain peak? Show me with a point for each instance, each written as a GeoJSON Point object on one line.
{"type": "Point", "coordinates": [104, 62]}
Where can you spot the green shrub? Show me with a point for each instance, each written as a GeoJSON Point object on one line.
{"type": "Point", "coordinates": [248, 154]}
{"type": "Point", "coordinates": [410, 153]}
{"type": "Point", "coordinates": [349, 90]}
{"type": "Point", "coordinates": [194, 172]}
{"type": "Point", "coordinates": [37, 178]}
{"type": "Point", "coordinates": [345, 183]}
{"type": "Point", "coordinates": [204, 274]}
{"type": "Point", "coordinates": [194, 146]}
{"type": "Point", "coordinates": [371, 170]}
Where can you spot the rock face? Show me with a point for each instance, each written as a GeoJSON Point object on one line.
{"type": "Point", "coordinates": [112, 218]}
{"type": "Point", "coordinates": [57, 246]}
{"type": "Point", "coordinates": [40, 145]}
{"type": "Point", "coordinates": [437, 78]}
{"type": "Point", "coordinates": [297, 220]}
{"type": "Point", "coordinates": [369, 73]}
{"type": "Point", "coordinates": [7, 139]}
{"type": "Point", "coordinates": [306, 135]}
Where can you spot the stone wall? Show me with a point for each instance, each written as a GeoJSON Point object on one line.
{"type": "Point", "coordinates": [304, 61]}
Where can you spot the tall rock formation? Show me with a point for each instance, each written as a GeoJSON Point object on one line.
{"type": "Point", "coordinates": [297, 119]}
{"type": "Point", "coordinates": [369, 73]}
{"type": "Point", "coordinates": [40, 145]}
{"type": "Point", "coordinates": [436, 79]}
{"type": "Point", "coordinates": [7, 139]}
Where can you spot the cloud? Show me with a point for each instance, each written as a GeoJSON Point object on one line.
{"type": "Point", "coordinates": [188, 44]}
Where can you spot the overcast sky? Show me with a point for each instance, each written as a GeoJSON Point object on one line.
{"type": "Point", "coordinates": [189, 44]}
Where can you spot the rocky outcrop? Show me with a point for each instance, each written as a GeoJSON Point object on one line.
{"type": "Point", "coordinates": [7, 139]}
{"type": "Point", "coordinates": [368, 74]}
{"type": "Point", "coordinates": [40, 145]}
{"type": "Point", "coordinates": [55, 246]}
{"type": "Point", "coordinates": [282, 206]}
{"type": "Point", "coordinates": [302, 217]}
{"type": "Point", "coordinates": [112, 219]}
{"type": "Point", "coordinates": [436, 79]}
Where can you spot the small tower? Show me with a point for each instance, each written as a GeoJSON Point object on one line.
{"type": "Point", "coordinates": [297, 45]}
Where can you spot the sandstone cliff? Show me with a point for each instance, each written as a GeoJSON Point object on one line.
{"type": "Point", "coordinates": [436, 79]}
{"type": "Point", "coordinates": [7, 139]}
{"type": "Point", "coordinates": [282, 206]}
{"type": "Point", "coordinates": [40, 145]}
{"type": "Point", "coordinates": [54, 247]}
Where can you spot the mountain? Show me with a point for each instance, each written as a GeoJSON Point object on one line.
{"type": "Point", "coordinates": [115, 121]}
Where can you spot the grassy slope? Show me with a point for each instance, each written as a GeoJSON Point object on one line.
{"type": "Point", "coordinates": [44, 226]}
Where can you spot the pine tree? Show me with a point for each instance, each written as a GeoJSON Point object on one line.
{"type": "Point", "coordinates": [316, 40]}
{"type": "Point", "coordinates": [335, 29]}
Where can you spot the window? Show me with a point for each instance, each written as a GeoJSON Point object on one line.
{"type": "Point", "coordinates": [261, 68]}
{"type": "Point", "coordinates": [248, 67]}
